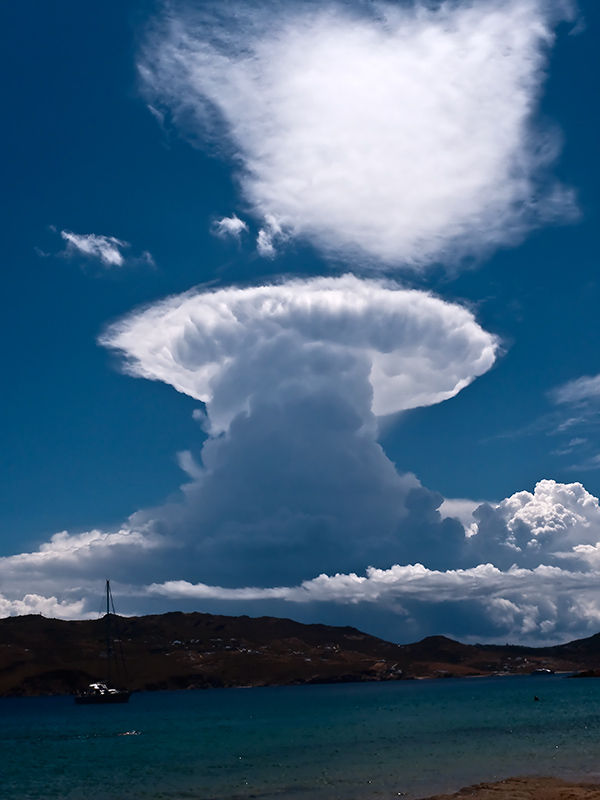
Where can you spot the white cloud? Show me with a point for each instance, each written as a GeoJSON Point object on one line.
{"type": "Point", "coordinates": [400, 349]}
{"type": "Point", "coordinates": [107, 250]}
{"type": "Point", "coordinates": [292, 483]}
{"type": "Point", "coordinates": [408, 582]}
{"type": "Point", "coordinates": [201, 591]}
{"type": "Point", "coordinates": [586, 465]}
{"type": "Point", "coordinates": [535, 528]}
{"type": "Point", "coordinates": [546, 591]}
{"type": "Point", "coordinates": [406, 135]}
{"type": "Point", "coordinates": [269, 236]}
{"type": "Point", "coordinates": [549, 596]}
{"type": "Point", "coordinates": [462, 509]}
{"type": "Point", "coordinates": [47, 606]}
{"type": "Point", "coordinates": [264, 244]}
{"type": "Point", "coordinates": [65, 548]}
{"type": "Point", "coordinates": [188, 464]}
{"type": "Point", "coordinates": [575, 419]}
{"type": "Point", "coordinates": [230, 226]}
{"type": "Point", "coordinates": [581, 390]}
{"type": "Point", "coordinates": [526, 604]}
{"type": "Point", "coordinates": [293, 375]}
{"type": "Point", "coordinates": [74, 557]}
{"type": "Point", "coordinates": [64, 575]}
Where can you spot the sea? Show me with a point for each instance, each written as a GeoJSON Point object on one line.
{"type": "Point", "coordinates": [350, 741]}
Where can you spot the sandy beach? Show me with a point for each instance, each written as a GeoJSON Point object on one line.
{"type": "Point", "coordinates": [533, 788]}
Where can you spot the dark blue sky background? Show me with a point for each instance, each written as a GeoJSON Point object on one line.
{"type": "Point", "coordinates": [82, 444]}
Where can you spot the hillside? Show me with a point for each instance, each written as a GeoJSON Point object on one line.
{"type": "Point", "coordinates": [176, 651]}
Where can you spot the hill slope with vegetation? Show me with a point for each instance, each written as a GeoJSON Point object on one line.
{"type": "Point", "coordinates": [41, 656]}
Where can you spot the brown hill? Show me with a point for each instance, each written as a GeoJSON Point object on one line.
{"type": "Point", "coordinates": [176, 651]}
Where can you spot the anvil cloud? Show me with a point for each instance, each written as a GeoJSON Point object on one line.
{"type": "Point", "coordinates": [399, 349]}
{"type": "Point", "coordinates": [403, 135]}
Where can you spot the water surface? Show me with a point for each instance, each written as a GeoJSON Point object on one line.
{"type": "Point", "coordinates": [346, 741]}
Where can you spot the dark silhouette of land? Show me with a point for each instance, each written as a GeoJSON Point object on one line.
{"type": "Point", "coordinates": [40, 656]}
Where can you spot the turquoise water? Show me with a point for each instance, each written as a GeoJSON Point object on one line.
{"type": "Point", "coordinates": [345, 741]}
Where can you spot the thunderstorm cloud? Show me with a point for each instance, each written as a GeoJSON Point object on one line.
{"type": "Point", "coordinates": [390, 137]}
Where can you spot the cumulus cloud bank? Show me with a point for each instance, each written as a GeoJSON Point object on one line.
{"type": "Point", "coordinates": [527, 604]}
{"type": "Point", "coordinates": [47, 606]}
{"type": "Point", "coordinates": [552, 598]}
{"type": "Point", "coordinates": [530, 529]}
{"type": "Point", "coordinates": [406, 135]}
{"type": "Point", "coordinates": [554, 531]}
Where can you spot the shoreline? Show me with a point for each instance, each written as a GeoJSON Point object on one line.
{"type": "Point", "coordinates": [293, 684]}
{"type": "Point", "coordinates": [526, 788]}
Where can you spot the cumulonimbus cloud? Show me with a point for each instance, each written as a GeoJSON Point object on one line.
{"type": "Point", "coordinates": [548, 588]}
{"type": "Point", "coordinates": [400, 348]}
{"type": "Point", "coordinates": [295, 374]}
{"type": "Point", "coordinates": [292, 374]}
{"type": "Point", "coordinates": [549, 595]}
{"type": "Point", "coordinates": [404, 134]}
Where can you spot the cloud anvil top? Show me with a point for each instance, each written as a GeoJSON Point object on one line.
{"type": "Point", "coordinates": [404, 348]}
{"type": "Point", "coordinates": [402, 135]}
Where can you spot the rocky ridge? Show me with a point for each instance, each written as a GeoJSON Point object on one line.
{"type": "Point", "coordinates": [40, 656]}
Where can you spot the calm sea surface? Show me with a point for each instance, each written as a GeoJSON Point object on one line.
{"type": "Point", "coordinates": [346, 741]}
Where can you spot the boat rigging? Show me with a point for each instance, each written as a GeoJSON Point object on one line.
{"type": "Point", "coordinates": [104, 693]}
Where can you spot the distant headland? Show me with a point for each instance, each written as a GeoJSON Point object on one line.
{"type": "Point", "coordinates": [40, 656]}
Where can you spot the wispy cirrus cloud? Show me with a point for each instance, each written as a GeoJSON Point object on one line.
{"type": "Point", "coordinates": [578, 418]}
{"type": "Point", "coordinates": [107, 249]}
{"type": "Point", "coordinates": [108, 252]}
{"type": "Point", "coordinates": [405, 136]}
{"type": "Point", "coordinates": [573, 421]}
{"type": "Point", "coordinates": [584, 390]}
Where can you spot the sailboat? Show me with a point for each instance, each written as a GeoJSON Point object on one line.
{"type": "Point", "coordinates": [104, 693]}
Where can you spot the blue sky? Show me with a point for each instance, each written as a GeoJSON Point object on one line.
{"type": "Point", "coordinates": [391, 216]}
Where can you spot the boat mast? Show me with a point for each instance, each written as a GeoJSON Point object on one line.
{"type": "Point", "coordinates": [108, 633]}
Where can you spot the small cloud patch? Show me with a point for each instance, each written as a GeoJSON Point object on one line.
{"type": "Point", "coordinates": [107, 249]}
{"type": "Point", "coordinates": [103, 252]}
{"type": "Point", "coordinates": [229, 227]}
